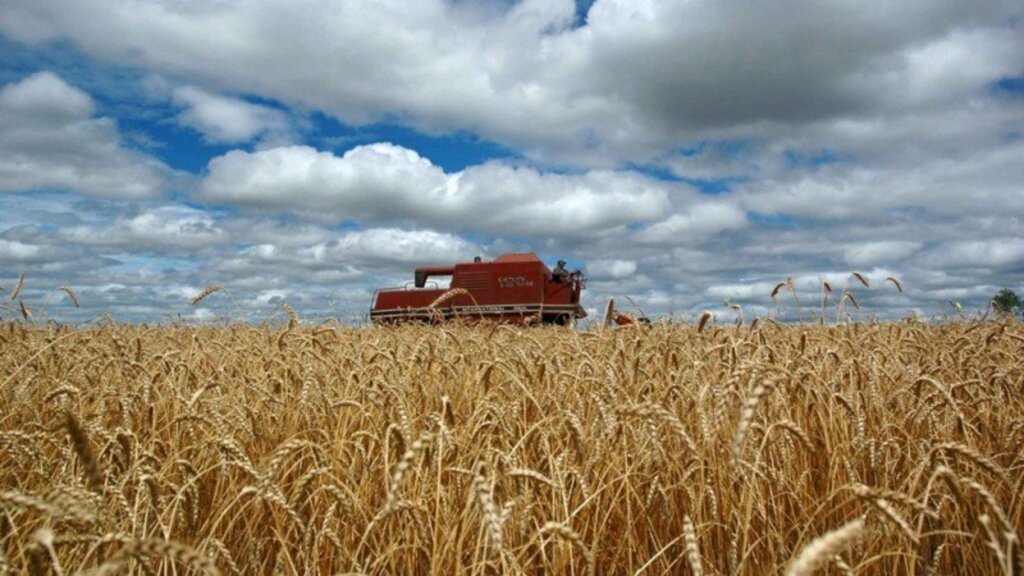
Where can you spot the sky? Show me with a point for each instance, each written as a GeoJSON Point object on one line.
{"type": "Point", "coordinates": [688, 154]}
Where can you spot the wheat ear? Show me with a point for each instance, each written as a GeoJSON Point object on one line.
{"type": "Point", "coordinates": [71, 294]}
{"type": "Point", "coordinates": [824, 548]}
{"type": "Point", "coordinates": [692, 551]}
{"type": "Point", "coordinates": [159, 549]}
{"type": "Point", "coordinates": [17, 287]}
{"type": "Point", "coordinates": [746, 417]}
{"type": "Point", "coordinates": [80, 443]}
{"type": "Point", "coordinates": [895, 282]}
{"type": "Point", "coordinates": [212, 288]}
{"type": "Point", "coordinates": [450, 294]}
{"type": "Point", "coordinates": [573, 537]}
{"type": "Point", "coordinates": [703, 321]}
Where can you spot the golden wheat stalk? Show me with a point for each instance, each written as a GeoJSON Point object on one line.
{"type": "Point", "coordinates": [25, 501]}
{"type": "Point", "coordinates": [569, 535]}
{"type": "Point", "coordinates": [847, 295]}
{"type": "Point", "coordinates": [17, 287]}
{"type": "Point", "coordinates": [895, 282]}
{"type": "Point", "coordinates": [825, 547]}
{"type": "Point", "coordinates": [154, 548]}
{"type": "Point", "coordinates": [609, 312]}
{"type": "Point", "coordinates": [692, 551]}
{"type": "Point", "coordinates": [485, 498]}
{"type": "Point", "coordinates": [80, 443]}
{"type": "Point", "coordinates": [44, 538]}
{"type": "Point", "coordinates": [704, 318]}
{"type": "Point", "coordinates": [448, 295]}
{"type": "Point", "coordinates": [746, 418]}
{"type": "Point", "coordinates": [293, 316]}
{"type": "Point", "coordinates": [71, 294]}
{"type": "Point", "coordinates": [402, 468]}
{"type": "Point", "coordinates": [206, 292]}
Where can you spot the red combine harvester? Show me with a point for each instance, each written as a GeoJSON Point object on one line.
{"type": "Point", "coordinates": [514, 288]}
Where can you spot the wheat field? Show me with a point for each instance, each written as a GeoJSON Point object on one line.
{"type": "Point", "coordinates": [891, 448]}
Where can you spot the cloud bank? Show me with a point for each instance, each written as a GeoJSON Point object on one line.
{"type": "Point", "coordinates": [683, 153]}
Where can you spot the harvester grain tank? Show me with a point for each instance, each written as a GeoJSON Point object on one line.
{"type": "Point", "coordinates": [514, 288]}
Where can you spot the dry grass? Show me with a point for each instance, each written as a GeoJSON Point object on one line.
{"type": "Point", "coordinates": [864, 449]}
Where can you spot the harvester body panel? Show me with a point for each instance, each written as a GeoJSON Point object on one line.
{"type": "Point", "coordinates": [514, 288]}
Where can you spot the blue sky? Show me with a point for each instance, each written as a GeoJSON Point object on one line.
{"type": "Point", "coordinates": [687, 155]}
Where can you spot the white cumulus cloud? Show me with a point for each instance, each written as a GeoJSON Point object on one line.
{"type": "Point", "coordinates": [383, 182]}
{"type": "Point", "coordinates": [392, 245]}
{"type": "Point", "coordinates": [610, 269]}
{"type": "Point", "coordinates": [872, 253]}
{"type": "Point", "coordinates": [227, 120]}
{"type": "Point", "coordinates": [635, 80]}
{"type": "Point", "coordinates": [992, 252]}
{"type": "Point", "coordinates": [50, 140]}
{"type": "Point", "coordinates": [158, 229]}
{"type": "Point", "coordinates": [14, 251]}
{"type": "Point", "coordinates": [695, 223]}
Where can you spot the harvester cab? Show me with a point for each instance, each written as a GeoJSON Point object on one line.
{"type": "Point", "coordinates": [514, 288]}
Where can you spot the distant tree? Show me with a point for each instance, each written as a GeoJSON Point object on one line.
{"type": "Point", "coordinates": [1007, 302]}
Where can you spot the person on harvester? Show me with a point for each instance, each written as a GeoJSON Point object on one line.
{"type": "Point", "coordinates": [560, 274]}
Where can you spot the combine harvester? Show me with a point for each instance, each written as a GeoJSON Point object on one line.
{"type": "Point", "coordinates": [514, 288]}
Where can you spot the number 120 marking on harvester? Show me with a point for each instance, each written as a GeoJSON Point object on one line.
{"type": "Point", "coordinates": [514, 282]}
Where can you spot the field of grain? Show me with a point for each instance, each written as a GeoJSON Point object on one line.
{"type": "Point", "coordinates": [852, 449]}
